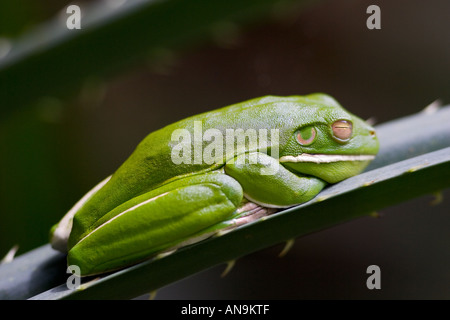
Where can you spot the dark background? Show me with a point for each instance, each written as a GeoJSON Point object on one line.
{"type": "Point", "coordinates": [54, 152]}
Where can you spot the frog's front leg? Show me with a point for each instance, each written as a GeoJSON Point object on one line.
{"type": "Point", "coordinates": [156, 221]}
{"type": "Point", "coordinates": [280, 188]}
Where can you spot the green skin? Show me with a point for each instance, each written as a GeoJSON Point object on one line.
{"type": "Point", "coordinates": [150, 204]}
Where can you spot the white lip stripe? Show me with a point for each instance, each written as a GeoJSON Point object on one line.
{"type": "Point", "coordinates": [325, 158]}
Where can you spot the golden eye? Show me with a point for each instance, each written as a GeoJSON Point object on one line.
{"type": "Point", "coordinates": [306, 136]}
{"type": "Point", "coordinates": [342, 130]}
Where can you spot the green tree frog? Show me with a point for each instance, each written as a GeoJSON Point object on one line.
{"type": "Point", "coordinates": [214, 171]}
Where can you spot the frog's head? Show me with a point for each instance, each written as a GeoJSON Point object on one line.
{"type": "Point", "coordinates": [330, 143]}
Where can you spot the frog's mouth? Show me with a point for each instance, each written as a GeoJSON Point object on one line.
{"type": "Point", "coordinates": [326, 158]}
{"type": "Point", "coordinates": [329, 167]}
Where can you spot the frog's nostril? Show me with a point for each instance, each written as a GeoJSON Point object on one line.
{"type": "Point", "coordinates": [372, 132]}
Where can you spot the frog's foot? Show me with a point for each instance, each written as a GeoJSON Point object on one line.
{"type": "Point", "coordinates": [250, 211]}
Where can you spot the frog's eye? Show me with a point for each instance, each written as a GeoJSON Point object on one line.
{"type": "Point", "coordinates": [342, 130]}
{"type": "Point", "coordinates": [306, 136]}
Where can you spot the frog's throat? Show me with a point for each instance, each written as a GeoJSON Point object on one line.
{"type": "Point", "coordinates": [326, 158]}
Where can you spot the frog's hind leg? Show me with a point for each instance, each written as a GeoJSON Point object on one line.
{"type": "Point", "coordinates": [157, 221]}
